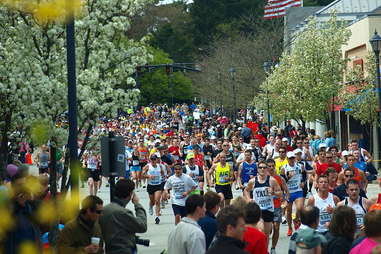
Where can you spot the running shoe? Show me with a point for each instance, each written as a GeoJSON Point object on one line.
{"type": "Point", "coordinates": [150, 210]}
{"type": "Point", "coordinates": [272, 251]}
{"type": "Point", "coordinates": [289, 232]}
{"type": "Point", "coordinates": [284, 220]}
{"type": "Point", "coordinates": [157, 220]}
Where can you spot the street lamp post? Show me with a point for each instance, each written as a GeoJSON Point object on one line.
{"type": "Point", "coordinates": [232, 76]}
{"type": "Point", "coordinates": [267, 68]}
{"type": "Point", "coordinates": [375, 42]}
{"type": "Point", "coordinates": [72, 102]}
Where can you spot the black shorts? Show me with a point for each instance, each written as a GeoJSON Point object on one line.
{"type": "Point", "coordinates": [151, 189]}
{"type": "Point", "coordinates": [162, 185]}
{"type": "Point", "coordinates": [142, 164]}
{"type": "Point", "coordinates": [179, 210]}
{"type": "Point", "coordinates": [94, 174]}
{"type": "Point", "coordinates": [267, 216]}
{"type": "Point", "coordinates": [43, 171]}
{"type": "Point", "coordinates": [226, 190]}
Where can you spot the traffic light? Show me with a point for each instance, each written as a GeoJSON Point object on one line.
{"type": "Point", "coordinates": [168, 69]}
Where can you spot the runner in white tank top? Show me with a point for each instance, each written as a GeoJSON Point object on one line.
{"type": "Point", "coordinates": [357, 203]}
{"type": "Point", "coordinates": [325, 201]}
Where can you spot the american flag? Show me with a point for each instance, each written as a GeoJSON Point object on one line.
{"type": "Point", "coordinates": [277, 8]}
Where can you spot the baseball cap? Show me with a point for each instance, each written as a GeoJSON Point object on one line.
{"type": "Point", "coordinates": [344, 153]}
{"type": "Point", "coordinates": [284, 139]}
{"type": "Point", "coordinates": [290, 154]}
{"type": "Point", "coordinates": [190, 156]}
{"type": "Point", "coordinates": [322, 145]}
{"type": "Point", "coordinates": [297, 151]}
{"type": "Point", "coordinates": [308, 238]}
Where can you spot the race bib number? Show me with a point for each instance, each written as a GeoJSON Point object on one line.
{"type": "Point", "coordinates": [135, 163]}
{"type": "Point", "coordinates": [178, 189]}
{"type": "Point", "coordinates": [324, 218]}
{"type": "Point", "coordinates": [359, 220]}
{"type": "Point", "coordinates": [224, 177]}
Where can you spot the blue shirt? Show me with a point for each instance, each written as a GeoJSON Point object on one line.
{"type": "Point", "coordinates": [208, 225]}
{"type": "Point", "coordinates": [248, 170]}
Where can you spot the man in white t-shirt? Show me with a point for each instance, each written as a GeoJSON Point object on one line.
{"type": "Point", "coordinates": [182, 185]}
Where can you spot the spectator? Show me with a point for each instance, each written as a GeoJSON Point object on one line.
{"type": "Point", "coordinates": [341, 230]}
{"type": "Point", "coordinates": [24, 228]}
{"type": "Point", "coordinates": [256, 241]}
{"type": "Point", "coordinates": [119, 224]}
{"type": "Point", "coordinates": [309, 241]}
{"type": "Point", "coordinates": [187, 237]}
{"type": "Point", "coordinates": [246, 133]}
{"type": "Point", "coordinates": [309, 217]}
{"type": "Point", "coordinates": [372, 223]}
{"type": "Point", "coordinates": [230, 227]}
{"type": "Point", "coordinates": [208, 223]}
{"type": "Point", "coordinates": [76, 236]}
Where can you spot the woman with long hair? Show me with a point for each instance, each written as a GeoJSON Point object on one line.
{"type": "Point", "coordinates": [342, 229]}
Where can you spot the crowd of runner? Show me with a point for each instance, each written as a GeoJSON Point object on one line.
{"type": "Point", "coordinates": [292, 175]}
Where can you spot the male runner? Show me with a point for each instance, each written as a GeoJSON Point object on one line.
{"type": "Point", "coordinates": [224, 177]}
{"type": "Point", "coordinates": [247, 170]}
{"type": "Point", "coordinates": [182, 186]}
{"type": "Point", "coordinates": [325, 201]}
{"type": "Point", "coordinates": [293, 173]}
{"type": "Point", "coordinates": [264, 188]}
{"type": "Point", "coordinates": [277, 204]}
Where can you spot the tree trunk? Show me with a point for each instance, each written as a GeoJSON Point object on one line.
{"type": "Point", "coordinates": [64, 173]}
{"type": "Point", "coordinates": [85, 141]}
{"type": "Point", "coordinates": [53, 170]}
{"type": "Point", "coordinates": [4, 145]}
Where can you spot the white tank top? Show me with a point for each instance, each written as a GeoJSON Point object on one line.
{"type": "Point", "coordinates": [359, 210]}
{"type": "Point", "coordinates": [293, 182]}
{"type": "Point", "coordinates": [325, 217]}
{"type": "Point", "coordinates": [195, 171]}
{"type": "Point", "coordinates": [155, 171]}
{"type": "Point", "coordinates": [92, 163]}
{"type": "Point", "coordinates": [262, 196]}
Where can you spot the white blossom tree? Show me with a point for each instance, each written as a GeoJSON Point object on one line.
{"type": "Point", "coordinates": [33, 70]}
{"type": "Point", "coordinates": [305, 80]}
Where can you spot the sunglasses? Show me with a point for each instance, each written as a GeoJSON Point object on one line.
{"type": "Point", "coordinates": [282, 151]}
{"type": "Point", "coordinates": [349, 175]}
{"type": "Point", "coordinates": [262, 167]}
{"type": "Point", "coordinates": [328, 157]}
{"type": "Point", "coordinates": [98, 211]}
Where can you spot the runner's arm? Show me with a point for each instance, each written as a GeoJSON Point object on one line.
{"type": "Point", "coordinates": [249, 187]}
{"type": "Point", "coordinates": [336, 199]}
{"type": "Point", "coordinates": [209, 173]}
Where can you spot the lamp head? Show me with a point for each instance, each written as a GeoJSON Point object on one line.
{"type": "Point", "coordinates": [375, 42]}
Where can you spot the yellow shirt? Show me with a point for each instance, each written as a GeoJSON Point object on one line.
{"type": "Point", "coordinates": [280, 163]}
{"type": "Point", "coordinates": [223, 174]}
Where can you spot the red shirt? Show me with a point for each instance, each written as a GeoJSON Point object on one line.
{"type": "Point", "coordinates": [256, 241]}
{"type": "Point", "coordinates": [199, 159]}
{"type": "Point", "coordinates": [322, 168]}
{"type": "Point", "coordinates": [261, 139]}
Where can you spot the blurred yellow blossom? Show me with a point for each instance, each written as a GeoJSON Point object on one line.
{"type": "Point", "coordinates": [28, 248]}
{"type": "Point", "coordinates": [6, 221]}
{"type": "Point", "coordinates": [46, 11]}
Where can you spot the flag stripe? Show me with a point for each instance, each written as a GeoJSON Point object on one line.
{"type": "Point", "coordinates": [277, 8]}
